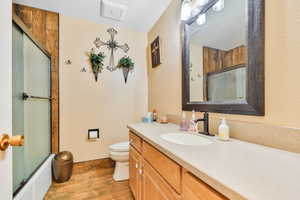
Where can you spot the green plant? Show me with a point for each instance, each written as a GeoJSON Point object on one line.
{"type": "Point", "coordinates": [97, 62]}
{"type": "Point", "coordinates": [126, 62]}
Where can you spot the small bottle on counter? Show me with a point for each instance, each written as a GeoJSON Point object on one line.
{"type": "Point", "coordinates": [149, 118]}
{"type": "Point", "coordinates": [184, 125]}
{"type": "Point", "coordinates": [223, 130]}
{"type": "Point", "coordinates": [154, 115]}
{"type": "Point", "coordinates": [192, 125]}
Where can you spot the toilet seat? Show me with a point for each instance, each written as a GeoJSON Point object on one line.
{"type": "Point", "coordinates": [120, 147]}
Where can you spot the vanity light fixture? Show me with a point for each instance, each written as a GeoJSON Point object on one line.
{"type": "Point", "coordinates": [201, 19]}
{"type": "Point", "coordinates": [219, 6]}
{"type": "Point", "coordinates": [186, 10]}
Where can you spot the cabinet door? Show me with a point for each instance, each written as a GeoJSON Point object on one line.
{"type": "Point", "coordinates": [134, 175]}
{"type": "Point", "coordinates": [135, 141]}
{"type": "Point", "coordinates": [154, 186]}
{"type": "Point", "coordinates": [169, 170]}
{"type": "Point", "coordinates": [195, 189]}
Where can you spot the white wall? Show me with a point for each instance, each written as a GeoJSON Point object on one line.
{"type": "Point", "coordinates": [6, 95]}
{"type": "Point", "coordinates": [108, 104]}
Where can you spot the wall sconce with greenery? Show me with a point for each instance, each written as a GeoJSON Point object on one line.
{"type": "Point", "coordinates": [97, 63]}
{"type": "Point", "coordinates": [126, 64]}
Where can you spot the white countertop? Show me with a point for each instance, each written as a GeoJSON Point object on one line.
{"type": "Point", "coordinates": [237, 169]}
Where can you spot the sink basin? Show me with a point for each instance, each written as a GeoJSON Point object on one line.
{"type": "Point", "coordinates": [186, 139]}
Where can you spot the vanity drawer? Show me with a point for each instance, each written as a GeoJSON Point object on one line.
{"type": "Point", "coordinates": [166, 167]}
{"type": "Point", "coordinates": [195, 189]}
{"type": "Point", "coordinates": [135, 141]}
{"type": "Point", "coordinates": [155, 187]}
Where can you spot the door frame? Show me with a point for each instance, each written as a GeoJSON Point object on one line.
{"type": "Point", "coordinates": [16, 20]}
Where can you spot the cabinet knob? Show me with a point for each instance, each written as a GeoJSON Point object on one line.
{"type": "Point", "coordinates": [136, 165]}
{"type": "Point", "coordinates": [140, 171]}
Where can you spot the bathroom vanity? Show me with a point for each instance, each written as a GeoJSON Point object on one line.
{"type": "Point", "coordinates": [163, 170]}
{"type": "Point", "coordinates": [153, 175]}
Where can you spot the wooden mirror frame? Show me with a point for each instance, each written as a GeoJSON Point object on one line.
{"type": "Point", "coordinates": [255, 94]}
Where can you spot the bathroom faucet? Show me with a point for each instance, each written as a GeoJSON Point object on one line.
{"type": "Point", "coordinates": [205, 121]}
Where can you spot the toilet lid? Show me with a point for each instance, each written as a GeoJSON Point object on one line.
{"type": "Point", "coordinates": [120, 147]}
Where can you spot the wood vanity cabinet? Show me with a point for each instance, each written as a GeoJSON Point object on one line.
{"type": "Point", "coordinates": [195, 189]}
{"type": "Point", "coordinates": [154, 176]}
{"type": "Point", "coordinates": [166, 167]}
{"type": "Point", "coordinates": [135, 141]}
{"type": "Point", "coordinates": [154, 187]}
{"type": "Point", "coordinates": [134, 173]}
{"type": "Point", "coordinates": [145, 183]}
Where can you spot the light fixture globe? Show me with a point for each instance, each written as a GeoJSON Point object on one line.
{"type": "Point", "coordinates": [186, 10]}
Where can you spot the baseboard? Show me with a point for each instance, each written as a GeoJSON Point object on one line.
{"type": "Point", "coordinates": [103, 163]}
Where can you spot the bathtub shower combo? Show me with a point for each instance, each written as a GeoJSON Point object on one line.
{"type": "Point", "coordinates": [31, 95]}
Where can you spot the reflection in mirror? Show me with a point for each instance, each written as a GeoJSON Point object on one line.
{"type": "Point", "coordinates": [218, 54]}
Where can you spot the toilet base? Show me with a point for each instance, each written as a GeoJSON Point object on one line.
{"type": "Point", "coordinates": [121, 172]}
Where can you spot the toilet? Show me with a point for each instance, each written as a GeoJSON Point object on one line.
{"type": "Point", "coordinates": [119, 152]}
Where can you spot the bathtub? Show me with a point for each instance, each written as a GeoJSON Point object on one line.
{"type": "Point", "coordinates": [38, 185]}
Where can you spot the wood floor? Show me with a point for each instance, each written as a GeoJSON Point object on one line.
{"type": "Point", "coordinates": [91, 181]}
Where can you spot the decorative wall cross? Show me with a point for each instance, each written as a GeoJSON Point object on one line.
{"type": "Point", "coordinates": [112, 46]}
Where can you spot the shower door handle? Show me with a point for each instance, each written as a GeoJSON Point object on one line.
{"type": "Point", "coordinates": [5, 141]}
{"type": "Point", "coordinates": [25, 96]}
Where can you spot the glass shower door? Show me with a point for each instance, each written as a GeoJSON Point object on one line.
{"type": "Point", "coordinates": [18, 106]}
{"type": "Point", "coordinates": [31, 106]}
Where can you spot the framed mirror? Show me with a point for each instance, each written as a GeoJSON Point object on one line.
{"type": "Point", "coordinates": [223, 57]}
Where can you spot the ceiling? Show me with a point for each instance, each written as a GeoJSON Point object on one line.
{"type": "Point", "coordinates": [141, 14]}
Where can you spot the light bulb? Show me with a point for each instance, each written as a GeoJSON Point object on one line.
{"type": "Point", "coordinates": [201, 19]}
{"type": "Point", "coordinates": [219, 6]}
{"type": "Point", "coordinates": [201, 2]}
{"type": "Point", "coordinates": [186, 10]}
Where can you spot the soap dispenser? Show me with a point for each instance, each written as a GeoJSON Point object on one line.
{"type": "Point", "coordinates": [223, 130]}
{"type": "Point", "coordinates": [193, 124]}
{"type": "Point", "coordinates": [184, 125]}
